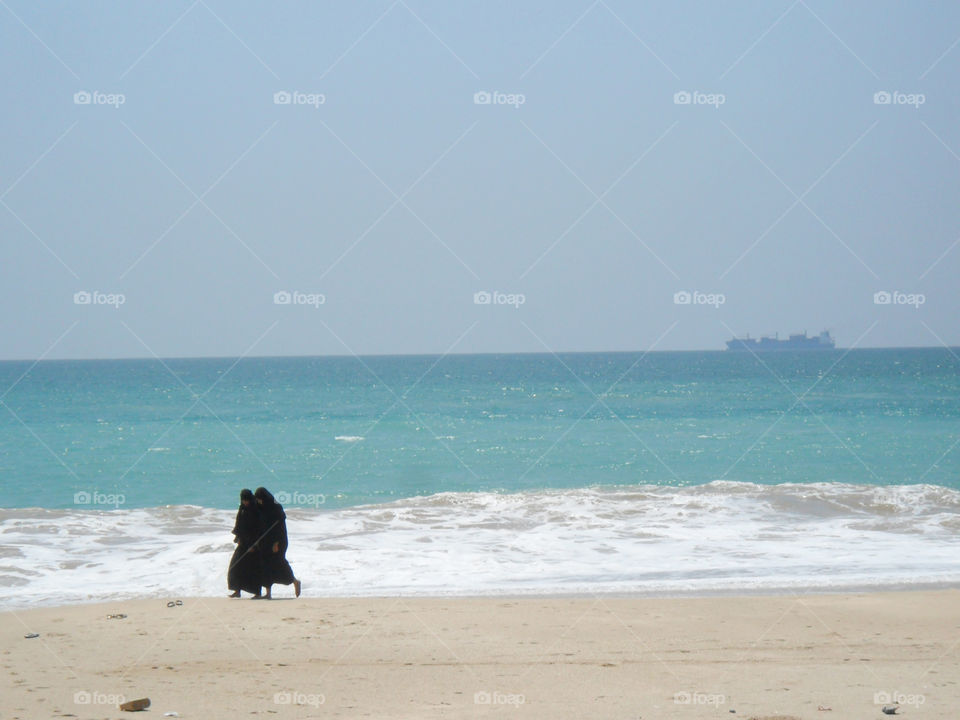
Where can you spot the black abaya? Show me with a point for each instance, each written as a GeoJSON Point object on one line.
{"type": "Point", "coordinates": [246, 565]}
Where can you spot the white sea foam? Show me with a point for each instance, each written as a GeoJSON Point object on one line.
{"type": "Point", "coordinates": [719, 537]}
{"type": "Point", "coordinates": [349, 438]}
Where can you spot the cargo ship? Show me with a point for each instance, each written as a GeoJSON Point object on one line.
{"type": "Point", "coordinates": [800, 341]}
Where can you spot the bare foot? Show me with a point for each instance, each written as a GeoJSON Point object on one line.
{"type": "Point", "coordinates": [236, 594]}
{"type": "Point", "coordinates": [296, 587]}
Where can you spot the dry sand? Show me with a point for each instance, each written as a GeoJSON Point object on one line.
{"type": "Point", "coordinates": [623, 658]}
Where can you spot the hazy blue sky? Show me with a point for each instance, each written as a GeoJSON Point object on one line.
{"type": "Point", "coordinates": [398, 197]}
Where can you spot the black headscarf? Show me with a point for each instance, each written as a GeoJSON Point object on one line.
{"type": "Point", "coordinates": [269, 508]}
{"type": "Point", "coordinates": [245, 494]}
{"type": "Point", "coordinates": [265, 497]}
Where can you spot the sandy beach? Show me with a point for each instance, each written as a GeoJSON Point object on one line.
{"type": "Point", "coordinates": [610, 657]}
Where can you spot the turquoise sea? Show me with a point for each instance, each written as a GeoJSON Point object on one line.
{"type": "Point", "coordinates": [377, 428]}
{"type": "Point", "coordinates": [609, 471]}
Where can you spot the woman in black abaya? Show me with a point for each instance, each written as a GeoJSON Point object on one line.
{"type": "Point", "coordinates": [246, 566]}
{"type": "Point", "coordinates": [273, 543]}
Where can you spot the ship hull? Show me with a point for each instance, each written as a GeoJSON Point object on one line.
{"type": "Point", "coordinates": [793, 343]}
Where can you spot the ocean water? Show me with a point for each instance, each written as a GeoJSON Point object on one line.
{"type": "Point", "coordinates": [664, 472]}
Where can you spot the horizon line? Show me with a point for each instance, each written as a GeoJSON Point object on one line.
{"type": "Point", "coordinates": [468, 354]}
